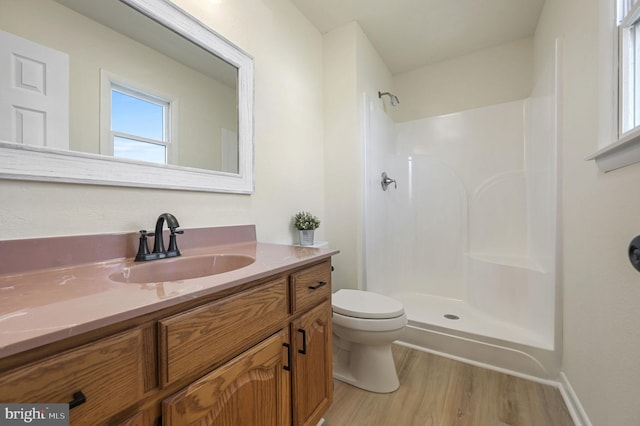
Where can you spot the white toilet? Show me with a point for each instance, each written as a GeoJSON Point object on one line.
{"type": "Point", "coordinates": [364, 326]}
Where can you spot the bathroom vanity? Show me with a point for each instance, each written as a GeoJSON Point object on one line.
{"type": "Point", "coordinates": [248, 346]}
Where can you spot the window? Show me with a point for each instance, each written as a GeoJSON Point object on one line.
{"type": "Point", "coordinates": [619, 54]}
{"type": "Point", "coordinates": [139, 125]}
{"type": "Point", "coordinates": [628, 21]}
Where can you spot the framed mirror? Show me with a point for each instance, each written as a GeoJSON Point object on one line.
{"type": "Point", "coordinates": [154, 97]}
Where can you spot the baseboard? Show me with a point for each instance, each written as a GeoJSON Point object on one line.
{"type": "Point", "coordinates": [578, 415]}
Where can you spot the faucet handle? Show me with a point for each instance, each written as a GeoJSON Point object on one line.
{"type": "Point", "coordinates": [173, 243]}
{"type": "Point", "coordinates": [143, 248]}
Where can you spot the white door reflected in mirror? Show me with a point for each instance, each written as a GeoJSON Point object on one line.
{"type": "Point", "coordinates": [34, 93]}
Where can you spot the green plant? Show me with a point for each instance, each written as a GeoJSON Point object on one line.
{"type": "Point", "coordinates": [305, 221]}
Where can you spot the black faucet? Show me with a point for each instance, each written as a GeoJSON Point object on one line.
{"type": "Point", "coordinates": [159, 250]}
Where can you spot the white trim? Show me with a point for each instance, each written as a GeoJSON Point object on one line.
{"type": "Point", "coordinates": [578, 415]}
{"type": "Point", "coordinates": [365, 119]}
{"type": "Point", "coordinates": [41, 164]}
{"type": "Point", "coordinates": [614, 152]}
{"type": "Point", "coordinates": [24, 162]}
{"type": "Point", "coordinates": [608, 71]}
{"type": "Point", "coordinates": [631, 16]}
{"type": "Point", "coordinates": [619, 154]}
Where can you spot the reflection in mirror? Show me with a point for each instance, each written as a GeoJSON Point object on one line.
{"type": "Point", "coordinates": [134, 89]}
{"type": "Point", "coordinates": [139, 129]}
{"type": "Point", "coordinates": [196, 92]}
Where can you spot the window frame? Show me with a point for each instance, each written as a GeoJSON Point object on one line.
{"type": "Point", "coordinates": [165, 141]}
{"type": "Point", "coordinates": [109, 82]}
{"type": "Point", "coordinates": [617, 148]}
{"type": "Point", "coordinates": [628, 21]}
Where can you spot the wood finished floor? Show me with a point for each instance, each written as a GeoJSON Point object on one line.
{"type": "Point", "coordinates": [442, 392]}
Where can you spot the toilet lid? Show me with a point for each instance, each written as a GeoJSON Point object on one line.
{"type": "Point", "coordinates": [365, 304]}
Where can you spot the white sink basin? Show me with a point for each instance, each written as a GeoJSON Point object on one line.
{"type": "Point", "coordinates": [181, 268]}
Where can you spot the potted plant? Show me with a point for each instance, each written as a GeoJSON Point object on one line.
{"type": "Point", "coordinates": [306, 223]}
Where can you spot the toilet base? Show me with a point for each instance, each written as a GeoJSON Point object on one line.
{"type": "Point", "coordinates": [368, 367]}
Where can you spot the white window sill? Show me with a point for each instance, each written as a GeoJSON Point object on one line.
{"type": "Point", "coordinates": [622, 153]}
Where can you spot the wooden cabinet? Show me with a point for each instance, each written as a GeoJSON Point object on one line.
{"type": "Point", "coordinates": [310, 287]}
{"type": "Point", "coordinates": [312, 367]}
{"type": "Point", "coordinates": [257, 356]}
{"type": "Point", "coordinates": [312, 371]}
{"type": "Point", "coordinates": [251, 389]}
{"type": "Point", "coordinates": [108, 373]}
{"type": "Point", "coordinates": [193, 341]}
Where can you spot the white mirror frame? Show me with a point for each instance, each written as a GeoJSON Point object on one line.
{"type": "Point", "coordinates": [23, 162]}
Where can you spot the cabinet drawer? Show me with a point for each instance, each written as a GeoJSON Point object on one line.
{"type": "Point", "coordinates": [110, 373]}
{"type": "Point", "coordinates": [193, 341]}
{"type": "Point", "coordinates": [310, 286]}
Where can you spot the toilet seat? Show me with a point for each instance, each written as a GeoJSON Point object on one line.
{"type": "Point", "coordinates": [363, 324]}
{"type": "Point", "coordinates": [365, 305]}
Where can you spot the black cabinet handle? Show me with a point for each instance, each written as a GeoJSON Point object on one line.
{"type": "Point", "coordinates": [78, 399]}
{"type": "Point", "coordinates": [303, 351]}
{"type": "Point", "coordinates": [288, 366]}
{"type": "Point", "coordinates": [317, 286]}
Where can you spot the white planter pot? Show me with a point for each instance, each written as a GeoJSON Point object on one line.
{"type": "Point", "coordinates": [306, 237]}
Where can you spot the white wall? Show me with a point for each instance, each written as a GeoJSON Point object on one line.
{"type": "Point", "coordinates": [352, 68]}
{"type": "Point", "coordinates": [487, 77]}
{"type": "Point", "coordinates": [342, 159]}
{"type": "Point", "coordinates": [289, 145]}
{"type": "Point", "coordinates": [600, 215]}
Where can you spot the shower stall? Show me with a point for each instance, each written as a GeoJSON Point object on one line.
{"type": "Point", "coordinates": [466, 239]}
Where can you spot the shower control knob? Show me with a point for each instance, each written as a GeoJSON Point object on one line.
{"type": "Point", "coordinates": [386, 181]}
{"type": "Point", "coordinates": [634, 252]}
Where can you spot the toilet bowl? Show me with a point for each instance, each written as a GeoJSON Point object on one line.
{"type": "Point", "coordinates": [364, 326]}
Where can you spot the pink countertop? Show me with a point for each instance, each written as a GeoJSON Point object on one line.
{"type": "Point", "coordinates": [45, 305]}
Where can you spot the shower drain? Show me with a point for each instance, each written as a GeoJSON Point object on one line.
{"type": "Point", "coordinates": [451, 317]}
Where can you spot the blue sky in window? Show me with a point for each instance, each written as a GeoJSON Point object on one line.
{"type": "Point", "coordinates": [136, 150]}
{"type": "Point", "coordinates": [136, 116]}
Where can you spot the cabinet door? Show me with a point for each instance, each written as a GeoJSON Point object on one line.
{"type": "Point", "coordinates": [251, 389]}
{"type": "Point", "coordinates": [312, 367]}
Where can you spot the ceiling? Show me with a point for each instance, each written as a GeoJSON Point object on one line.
{"type": "Point", "coordinates": [409, 34]}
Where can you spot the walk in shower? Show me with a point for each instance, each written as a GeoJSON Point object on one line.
{"type": "Point", "coordinates": [467, 238]}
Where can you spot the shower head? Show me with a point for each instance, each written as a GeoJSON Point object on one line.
{"type": "Point", "coordinates": [394, 99]}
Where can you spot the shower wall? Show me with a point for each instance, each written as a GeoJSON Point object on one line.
{"type": "Point", "coordinates": [472, 220]}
